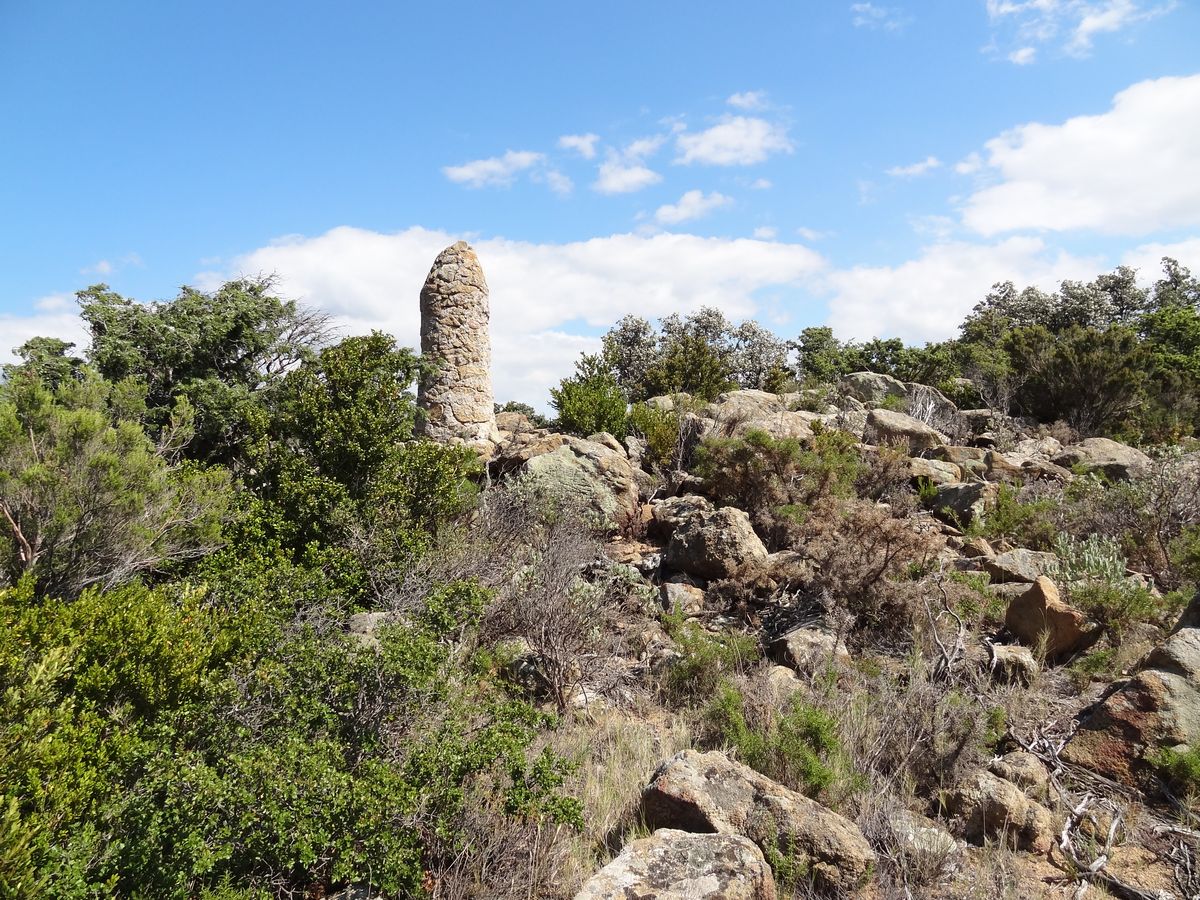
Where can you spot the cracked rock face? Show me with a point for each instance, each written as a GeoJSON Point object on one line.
{"type": "Point", "coordinates": [457, 397]}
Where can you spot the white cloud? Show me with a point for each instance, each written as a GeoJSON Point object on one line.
{"type": "Point", "coordinates": [928, 164]}
{"type": "Point", "coordinates": [617, 177]}
{"type": "Point", "coordinates": [810, 234]}
{"type": "Point", "coordinates": [971, 164]}
{"type": "Point", "coordinates": [1131, 170]}
{"type": "Point", "coordinates": [624, 171]}
{"type": "Point", "coordinates": [108, 266]}
{"type": "Point", "coordinates": [556, 181]}
{"type": "Point", "coordinates": [643, 147]}
{"type": "Point", "coordinates": [692, 205]}
{"type": "Point", "coordinates": [496, 171]}
{"type": "Point", "coordinates": [1074, 24]}
{"type": "Point", "coordinates": [1147, 258]}
{"type": "Point", "coordinates": [538, 291]}
{"type": "Point", "coordinates": [748, 100]}
{"type": "Point", "coordinates": [101, 267]}
{"type": "Point", "coordinates": [734, 141]}
{"type": "Point", "coordinates": [760, 184]}
{"type": "Point", "coordinates": [925, 299]}
{"type": "Point", "coordinates": [50, 321]}
{"type": "Point", "coordinates": [869, 15]}
{"type": "Point", "coordinates": [583, 144]}
{"type": "Point", "coordinates": [765, 233]}
{"type": "Point", "coordinates": [939, 227]}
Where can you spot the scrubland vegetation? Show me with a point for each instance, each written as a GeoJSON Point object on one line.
{"type": "Point", "coordinates": [256, 640]}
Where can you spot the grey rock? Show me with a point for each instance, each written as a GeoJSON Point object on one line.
{"type": "Point", "coordinates": [707, 792]}
{"type": "Point", "coordinates": [1020, 565]}
{"type": "Point", "coordinates": [1117, 461]}
{"type": "Point", "coordinates": [715, 544]}
{"type": "Point", "coordinates": [678, 865]}
{"type": "Point", "coordinates": [886, 426]}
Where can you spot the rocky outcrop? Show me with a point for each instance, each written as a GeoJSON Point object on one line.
{"type": "Point", "coordinates": [962, 504]}
{"type": "Point", "coordinates": [873, 387]}
{"type": "Point", "coordinates": [1040, 615]}
{"type": "Point", "coordinates": [809, 649]}
{"type": "Point", "coordinates": [714, 544]}
{"type": "Point", "coordinates": [1024, 770]}
{"type": "Point", "coordinates": [600, 477]}
{"type": "Point", "coordinates": [1013, 664]}
{"type": "Point", "coordinates": [1159, 707]}
{"type": "Point", "coordinates": [456, 395]}
{"type": "Point", "coordinates": [669, 514]}
{"type": "Point", "coordinates": [1116, 461]}
{"type": "Point", "coordinates": [707, 792]}
{"type": "Point", "coordinates": [679, 865]}
{"type": "Point", "coordinates": [1020, 565]}
{"type": "Point", "coordinates": [989, 807]}
{"type": "Point", "coordinates": [887, 427]}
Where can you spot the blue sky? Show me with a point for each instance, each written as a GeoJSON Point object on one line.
{"type": "Point", "coordinates": [875, 166]}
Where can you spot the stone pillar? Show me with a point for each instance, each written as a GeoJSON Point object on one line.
{"type": "Point", "coordinates": [457, 397]}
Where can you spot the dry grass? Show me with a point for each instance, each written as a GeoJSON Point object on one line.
{"type": "Point", "coordinates": [615, 753]}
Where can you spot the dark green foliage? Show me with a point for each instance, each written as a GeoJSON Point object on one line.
{"type": "Point", "coordinates": [86, 500]}
{"type": "Point", "coordinates": [1027, 523]}
{"type": "Point", "coordinates": [705, 660]}
{"type": "Point", "coordinates": [349, 408]}
{"type": "Point", "coordinates": [590, 401]}
{"type": "Point", "coordinates": [780, 477]}
{"type": "Point", "coordinates": [156, 744]}
{"type": "Point", "coordinates": [797, 746]}
{"type": "Point", "coordinates": [1092, 380]}
{"type": "Point", "coordinates": [660, 429]}
{"type": "Point", "coordinates": [219, 350]}
{"type": "Point", "coordinates": [1180, 768]}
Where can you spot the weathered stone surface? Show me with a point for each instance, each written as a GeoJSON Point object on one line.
{"type": "Point", "coordinates": [886, 426]}
{"type": "Point", "coordinates": [678, 865]}
{"type": "Point", "coordinates": [935, 470]}
{"type": "Point", "coordinates": [1024, 770]}
{"type": "Point", "coordinates": [988, 807]}
{"type": "Point", "coordinates": [669, 514]}
{"type": "Point", "coordinates": [873, 387]}
{"type": "Point", "coordinates": [977, 547]}
{"type": "Point", "coordinates": [1020, 565]}
{"type": "Point", "coordinates": [364, 627]}
{"type": "Point", "coordinates": [457, 396]}
{"type": "Point", "coordinates": [1117, 461]}
{"type": "Point", "coordinates": [1013, 664]}
{"type": "Point", "coordinates": [808, 649]}
{"type": "Point", "coordinates": [1158, 708]}
{"type": "Point", "coordinates": [922, 841]}
{"type": "Point", "coordinates": [1040, 614]}
{"type": "Point", "coordinates": [783, 681]}
{"type": "Point", "coordinates": [744, 404]}
{"type": "Point", "coordinates": [682, 598]}
{"type": "Point", "coordinates": [780, 425]}
{"type": "Point", "coordinates": [513, 421]}
{"type": "Point", "coordinates": [707, 792]}
{"type": "Point", "coordinates": [599, 475]}
{"type": "Point", "coordinates": [714, 544]}
{"type": "Point", "coordinates": [962, 504]}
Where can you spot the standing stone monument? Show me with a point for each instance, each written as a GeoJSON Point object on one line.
{"type": "Point", "coordinates": [457, 396]}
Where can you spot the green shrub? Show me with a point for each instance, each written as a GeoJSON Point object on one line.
{"type": "Point", "coordinates": [705, 660]}
{"type": "Point", "coordinates": [1027, 524]}
{"type": "Point", "coordinates": [659, 428]}
{"type": "Point", "coordinates": [1180, 768]}
{"type": "Point", "coordinates": [590, 401]}
{"type": "Point", "coordinates": [796, 745]}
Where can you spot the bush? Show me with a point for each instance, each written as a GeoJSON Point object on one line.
{"type": "Point", "coordinates": [1180, 768]}
{"type": "Point", "coordinates": [705, 660]}
{"type": "Point", "coordinates": [662, 430]}
{"type": "Point", "coordinates": [795, 743]}
{"type": "Point", "coordinates": [590, 401]}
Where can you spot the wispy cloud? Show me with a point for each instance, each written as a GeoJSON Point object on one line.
{"type": "Point", "coordinates": [883, 18]}
{"type": "Point", "coordinates": [734, 141]}
{"type": "Point", "coordinates": [1072, 25]}
{"type": "Point", "coordinates": [109, 266]}
{"type": "Point", "coordinates": [749, 100]}
{"type": "Point", "coordinates": [583, 144]}
{"type": "Point", "coordinates": [495, 171]}
{"type": "Point", "coordinates": [928, 164]}
{"type": "Point", "coordinates": [692, 205]}
{"type": "Point", "coordinates": [625, 171]}
{"type": "Point", "coordinates": [766, 233]}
